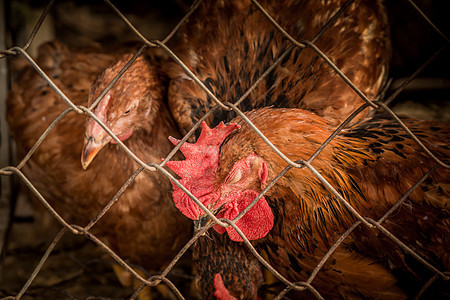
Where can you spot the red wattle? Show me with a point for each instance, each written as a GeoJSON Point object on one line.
{"type": "Point", "coordinates": [124, 136]}
{"type": "Point", "coordinates": [198, 170]}
{"type": "Point", "coordinates": [255, 224]}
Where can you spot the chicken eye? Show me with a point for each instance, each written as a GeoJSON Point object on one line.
{"type": "Point", "coordinates": [129, 109]}
{"type": "Point", "coordinates": [236, 177]}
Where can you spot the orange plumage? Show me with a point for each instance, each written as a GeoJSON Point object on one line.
{"type": "Point", "coordinates": [229, 45]}
{"type": "Point", "coordinates": [371, 164]}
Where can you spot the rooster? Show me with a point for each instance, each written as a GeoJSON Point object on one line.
{"type": "Point", "coordinates": [228, 45]}
{"type": "Point", "coordinates": [143, 226]}
{"type": "Point", "coordinates": [371, 164]}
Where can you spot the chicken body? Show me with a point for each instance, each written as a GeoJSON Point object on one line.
{"type": "Point", "coordinates": [143, 226]}
{"type": "Point", "coordinates": [371, 164]}
{"type": "Point", "coordinates": [240, 273]}
{"type": "Point", "coordinates": [228, 45]}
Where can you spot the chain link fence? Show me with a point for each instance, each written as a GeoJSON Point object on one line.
{"type": "Point", "coordinates": [163, 278]}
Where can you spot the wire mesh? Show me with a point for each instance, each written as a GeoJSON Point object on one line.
{"type": "Point", "coordinates": [152, 167]}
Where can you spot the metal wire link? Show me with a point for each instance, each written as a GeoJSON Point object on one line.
{"type": "Point", "coordinates": [308, 284]}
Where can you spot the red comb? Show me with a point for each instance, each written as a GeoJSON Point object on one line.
{"type": "Point", "coordinates": [198, 171]}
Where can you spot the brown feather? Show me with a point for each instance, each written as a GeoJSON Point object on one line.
{"type": "Point", "coordinates": [371, 164]}
{"type": "Point", "coordinates": [229, 44]}
{"type": "Point", "coordinates": [240, 270]}
{"type": "Point", "coordinates": [143, 226]}
{"type": "Point", "coordinates": [309, 219]}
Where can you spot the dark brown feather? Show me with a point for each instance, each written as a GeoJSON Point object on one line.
{"type": "Point", "coordinates": [228, 45]}
{"type": "Point", "coordinates": [241, 272]}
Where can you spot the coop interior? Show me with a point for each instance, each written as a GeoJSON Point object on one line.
{"type": "Point", "coordinates": [77, 267]}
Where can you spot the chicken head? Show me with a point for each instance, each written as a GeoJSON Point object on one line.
{"type": "Point", "coordinates": [124, 109]}
{"type": "Point", "coordinates": [228, 198]}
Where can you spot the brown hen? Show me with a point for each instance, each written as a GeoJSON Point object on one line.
{"type": "Point", "coordinates": [371, 164]}
{"type": "Point", "coordinates": [143, 226]}
{"type": "Point", "coordinates": [228, 45]}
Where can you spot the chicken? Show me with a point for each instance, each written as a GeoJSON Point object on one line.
{"type": "Point", "coordinates": [143, 226]}
{"type": "Point", "coordinates": [371, 164]}
{"type": "Point", "coordinates": [228, 45]}
{"type": "Point", "coordinates": [220, 263]}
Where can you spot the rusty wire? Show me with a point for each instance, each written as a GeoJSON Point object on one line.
{"type": "Point", "coordinates": [157, 279]}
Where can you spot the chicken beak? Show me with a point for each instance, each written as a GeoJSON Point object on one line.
{"type": "Point", "coordinates": [91, 148]}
